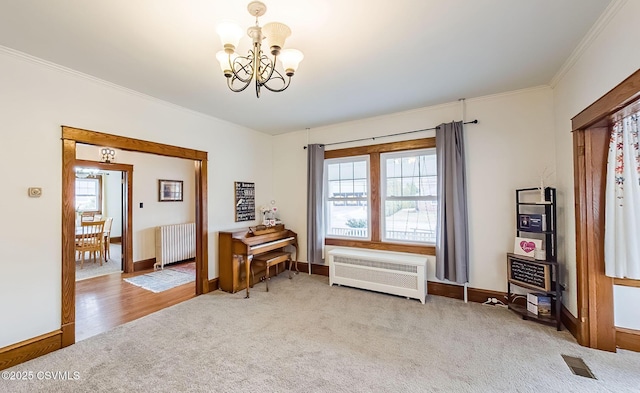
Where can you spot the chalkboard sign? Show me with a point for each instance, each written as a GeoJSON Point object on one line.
{"type": "Point", "coordinates": [532, 275]}
{"type": "Point", "coordinates": [245, 201]}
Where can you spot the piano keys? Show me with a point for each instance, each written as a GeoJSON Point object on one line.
{"type": "Point", "coordinates": [268, 246]}
{"type": "Point", "coordinates": [236, 249]}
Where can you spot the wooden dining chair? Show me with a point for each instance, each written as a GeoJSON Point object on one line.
{"type": "Point", "coordinates": [107, 238]}
{"type": "Point", "coordinates": [86, 216]}
{"type": "Point", "coordinates": [90, 238]}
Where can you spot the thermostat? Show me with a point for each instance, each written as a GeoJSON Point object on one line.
{"type": "Point", "coordinates": [35, 192]}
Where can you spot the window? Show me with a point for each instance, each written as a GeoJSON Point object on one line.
{"type": "Point", "coordinates": [408, 197]}
{"type": "Point", "coordinates": [347, 197]}
{"type": "Point", "coordinates": [382, 196]}
{"type": "Point", "coordinates": [88, 195]}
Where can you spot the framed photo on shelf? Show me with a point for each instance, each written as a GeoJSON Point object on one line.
{"type": "Point", "coordinates": [524, 221]}
{"type": "Point", "coordinates": [532, 222]}
{"type": "Point", "coordinates": [526, 247]}
{"type": "Point", "coordinates": [170, 190]}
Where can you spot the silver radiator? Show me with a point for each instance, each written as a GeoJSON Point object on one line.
{"type": "Point", "coordinates": [175, 243]}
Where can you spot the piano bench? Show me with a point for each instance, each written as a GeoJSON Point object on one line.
{"type": "Point", "coordinates": [270, 259]}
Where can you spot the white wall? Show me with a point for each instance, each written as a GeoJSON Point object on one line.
{"type": "Point", "coordinates": [609, 58]}
{"type": "Point", "coordinates": [508, 149]}
{"type": "Point", "coordinates": [112, 195]}
{"type": "Point", "coordinates": [147, 170]}
{"type": "Point", "coordinates": [36, 100]}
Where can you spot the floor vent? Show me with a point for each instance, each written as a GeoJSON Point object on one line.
{"type": "Point", "coordinates": [578, 366]}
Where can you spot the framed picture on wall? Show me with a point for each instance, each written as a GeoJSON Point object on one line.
{"type": "Point", "coordinates": [245, 201]}
{"type": "Point", "coordinates": [170, 190]}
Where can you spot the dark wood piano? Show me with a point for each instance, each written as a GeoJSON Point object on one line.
{"type": "Point", "coordinates": [237, 248]}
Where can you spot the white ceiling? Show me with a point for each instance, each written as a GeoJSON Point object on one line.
{"type": "Point", "coordinates": [362, 58]}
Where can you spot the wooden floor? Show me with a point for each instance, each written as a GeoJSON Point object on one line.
{"type": "Point", "coordinates": [105, 302]}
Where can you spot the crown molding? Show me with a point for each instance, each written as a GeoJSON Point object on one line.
{"type": "Point", "coordinates": [36, 60]}
{"type": "Point", "coordinates": [593, 33]}
{"type": "Point", "coordinates": [70, 71]}
{"type": "Point", "coordinates": [503, 94]}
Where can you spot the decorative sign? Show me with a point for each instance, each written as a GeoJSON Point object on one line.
{"type": "Point", "coordinates": [245, 201]}
{"type": "Point", "coordinates": [526, 247]}
{"type": "Point", "coordinates": [529, 274]}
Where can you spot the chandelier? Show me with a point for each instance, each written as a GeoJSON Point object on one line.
{"type": "Point", "coordinates": [256, 65]}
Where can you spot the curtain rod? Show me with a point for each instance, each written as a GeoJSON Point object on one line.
{"type": "Point", "coordinates": [386, 136]}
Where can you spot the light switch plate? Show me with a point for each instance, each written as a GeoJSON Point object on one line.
{"type": "Point", "coordinates": [35, 192]}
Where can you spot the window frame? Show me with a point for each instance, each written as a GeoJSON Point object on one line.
{"type": "Point", "coordinates": [384, 197]}
{"type": "Point", "coordinates": [327, 198]}
{"type": "Point", "coordinates": [374, 151]}
{"type": "Point", "coordinates": [98, 179]}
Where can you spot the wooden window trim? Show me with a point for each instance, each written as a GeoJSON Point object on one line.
{"type": "Point", "coordinates": [626, 282]}
{"type": "Point", "coordinates": [414, 144]}
{"type": "Point", "coordinates": [374, 152]}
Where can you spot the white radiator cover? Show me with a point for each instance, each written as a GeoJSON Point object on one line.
{"type": "Point", "coordinates": [382, 271]}
{"type": "Point", "coordinates": [175, 243]}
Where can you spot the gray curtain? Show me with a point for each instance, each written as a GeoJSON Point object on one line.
{"type": "Point", "coordinates": [452, 241]}
{"type": "Point", "coordinates": [315, 203]}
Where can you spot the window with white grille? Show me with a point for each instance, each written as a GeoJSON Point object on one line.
{"type": "Point", "coordinates": [408, 192]}
{"type": "Point", "coordinates": [88, 195]}
{"type": "Point", "coordinates": [347, 197]}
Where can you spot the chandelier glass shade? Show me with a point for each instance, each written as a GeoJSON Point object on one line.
{"type": "Point", "coordinates": [257, 66]}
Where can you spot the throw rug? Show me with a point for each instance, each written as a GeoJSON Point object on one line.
{"type": "Point", "coordinates": [163, 280]}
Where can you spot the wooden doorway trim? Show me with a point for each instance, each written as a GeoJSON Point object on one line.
{"type": "Point", "coordinates": [595, 289]}
{"type": "Point", "coordinates": [127, 206]}
{"type": "Point", "coordinates": [70, 137]}
{"type": "Point", "coordinates": [591, 129]}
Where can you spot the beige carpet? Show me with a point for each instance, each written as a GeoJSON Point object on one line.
{"type": "Point", "coordinates": [305, 336]}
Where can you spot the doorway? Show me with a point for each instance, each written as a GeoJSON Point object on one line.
{"type": "Point", "coordinates": [121, 203]}
{"type": "Point", "coordinates": [99, 197]}
{"type": "Point", "coordinates": [595, 325]}
{"type": "Point", "coordinates": [72, 136]}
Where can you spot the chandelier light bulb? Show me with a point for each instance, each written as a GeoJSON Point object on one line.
{"type": "Point", "coordinates": [290, 59]}
{"type": "Point", "coordinates": [276, 34]}
{"type": "Point", "coordinates": [230, 34]}
{"type": "Point", "coordinates": [226, 61]}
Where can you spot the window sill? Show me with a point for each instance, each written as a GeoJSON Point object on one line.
{"type": "Point", "coordinates": [376, 245]}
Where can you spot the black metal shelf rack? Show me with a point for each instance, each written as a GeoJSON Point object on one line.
{"type": "Point", "coordinates": [548, 280]}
